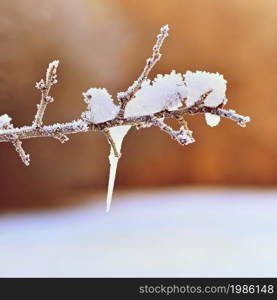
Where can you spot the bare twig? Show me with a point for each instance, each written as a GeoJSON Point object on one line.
{"type": "Point", "coordinates": [125, 97]}
{"type": "Point", "coordinates": [202, 99]}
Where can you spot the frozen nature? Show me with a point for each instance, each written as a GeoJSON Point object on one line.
{"type": "Point", "coordinates": [145, 103]}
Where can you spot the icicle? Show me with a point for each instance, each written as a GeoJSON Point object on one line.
{"type": "Point", "coordinates": [117, 134]}
{"type": "Point", "coordinates": [212, 120]}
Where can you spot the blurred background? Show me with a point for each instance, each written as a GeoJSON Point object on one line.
{"type": "Point", "coordinates": [103, 43]}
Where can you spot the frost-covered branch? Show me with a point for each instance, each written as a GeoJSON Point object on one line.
{"type": "Point", "coordinates": [18, 147]}
{"type": "Point", "coordinates": [182, 136]}
{"type": "Point", "coordinates": [44, 87]}
{"type": "Point", "coordinates": [5, 125]}
{"type": "Point", "coordinates": [78, 126]}
{"type": "Point", "coordinates": [230, 114]}
{"type": "Point", "coordinates": [125, 97]}
{"type": "Point", "coordinates": [145, 103]}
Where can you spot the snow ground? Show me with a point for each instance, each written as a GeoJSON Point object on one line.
{"type": "Point", "coordinates": [170, 232]}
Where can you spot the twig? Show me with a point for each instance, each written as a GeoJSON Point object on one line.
{"type": "Point", "coordinates": [230, 114]}
{"type": "Point", "coordinates": [181, 120]}
{"type": "Point", "coordinates": [44, 87]}
{"type": "Point", "coordinates": [182, 136]}
{"type": "Point", "coordinates": [112, 143]}
{"type": "Point", "coordinates": [5, 124]}
{"type": "Point", "coordinates": [18, 147]}
{"type": "Point", "coordinates": [125, 97]}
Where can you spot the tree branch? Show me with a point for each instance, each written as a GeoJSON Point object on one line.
{"type": "Point", "coordinates": [45, 87]}
{"type": "Point", "coordinates": [18, 147]}
{"type": "Point", "coordinates": [60, 131]}
{"type": "Point", "coordinates": [5, 124]}
{"type": "Point", "coordinates": [27, 132]}
{"type": "Point", "coordinates": [182, 136]}
{"type": "Point", "coordinates": [125, 97]}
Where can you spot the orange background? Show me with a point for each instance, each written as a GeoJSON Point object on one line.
{"type": "Point", "coordinates": [105, 44]}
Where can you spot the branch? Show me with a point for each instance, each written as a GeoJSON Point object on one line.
{"type": "Point", "coordinates": [182, 136]}
{"type": "Point", "coordinates": [27, 132]}
{"type": "Point", "coordinates": [18, 147]}
{"type": "Point", "coordinates": [100, 105]}
{"type": "Point", "coordinates": [45, 87]}
{"type": "Point", "coordinates": [181, 120]}
{"type": "Point", "coordinates": [230, 114]}
{"type": "Point", "coordinates": [5, 124]}
{"type": "Point", "coordinates": [125, 97]}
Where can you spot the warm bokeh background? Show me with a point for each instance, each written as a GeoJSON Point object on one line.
{"type": "Point", "coordinates": [104, 43]}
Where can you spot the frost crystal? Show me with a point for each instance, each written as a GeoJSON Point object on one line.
{"type": "Point", "coordinates": [5, 120]}
{"type": "Point", "coordinates": [199, 83]}
{"type": "Point", "coordinates": [100, 105]}
{"type": "Point", "coordinates": [117, 134]}
{"type": "Point", "coordinates": [164, 92]}
{"type": "Point", "coordinates": [51, 77]}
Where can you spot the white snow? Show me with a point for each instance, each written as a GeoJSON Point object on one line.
{"type": "Point", "coordinates": [212, 120]}
{"type": "Point", "coordinates": [167, 92]}
{"type": "Point", "coordinates": [100, 105]}
{"type": "Point", "coordinates": [176, 232]}
{"type": "Point", "coordinates": [5, 120]}
{"type": "Point", "coordinates": [118, 134]}
{"type": "Point", "coordinates": [200, 82]}
{"type": "Point", "coordinates": [164, 92]}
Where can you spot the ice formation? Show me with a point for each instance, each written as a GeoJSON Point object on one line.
{"type": "Point", "coordinates": [117, 134]}
{"type": "Point", "coordinates": [212, 120]}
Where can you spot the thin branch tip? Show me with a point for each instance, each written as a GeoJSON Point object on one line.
{"type": "Point", "coordinates": [128, 95]}
{"type": "Point", "coordinates": [165, 28]}
{"type": "Point", "coordinates": [25, 158]}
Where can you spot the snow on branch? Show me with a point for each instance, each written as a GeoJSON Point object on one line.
{"type": "Point", "coordinates": [144, 104]}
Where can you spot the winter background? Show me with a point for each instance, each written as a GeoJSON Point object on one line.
{"type": "Point", "coordinates": [207, 209]}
